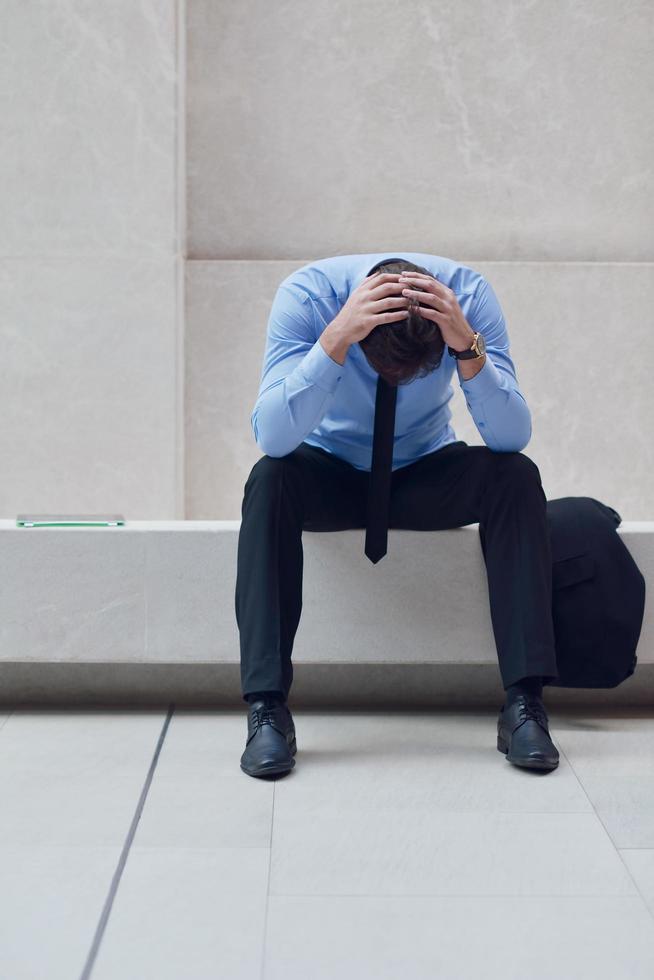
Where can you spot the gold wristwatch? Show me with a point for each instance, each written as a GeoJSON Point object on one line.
{"type": "Point", "coordinates": [477, 349]}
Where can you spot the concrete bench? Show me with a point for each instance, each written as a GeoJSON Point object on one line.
{"type": "Point", "coordinates": [146, 613]}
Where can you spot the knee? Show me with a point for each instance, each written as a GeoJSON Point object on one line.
{"type": "Point", "coordinates": [514, 470]}
{"type": "Point", "coordinates": [269, 470]}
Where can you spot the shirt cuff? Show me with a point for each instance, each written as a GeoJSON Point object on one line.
{"type": "Point", "coordinates": [487, 381]}
{"type": "Point", "coordinates": [320, 369]}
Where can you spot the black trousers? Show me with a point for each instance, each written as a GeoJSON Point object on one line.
{"type": "Point", "coordinates": [312, 489]}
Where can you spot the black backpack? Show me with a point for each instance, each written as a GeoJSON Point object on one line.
{"type": "Point", "coordinates": [598, 594]}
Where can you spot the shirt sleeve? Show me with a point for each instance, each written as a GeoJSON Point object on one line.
{"type": "Point", "coordinates": [298, 378]}
{"type": "Point", "coordinates": [493, 397]}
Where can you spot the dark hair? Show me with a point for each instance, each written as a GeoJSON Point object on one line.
{"type": "Point", "coordinates": [404, 349]}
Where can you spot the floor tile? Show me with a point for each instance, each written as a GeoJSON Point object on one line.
{"type": "Point", "coordinates": [445, 853]}
{"type": "Point", "coordinates": [187, 914]}
{"type": "Point", "coordinates": [397, 838]}
{"type": "Point", "coordinates": [73, 777]}
{"type": "Point", "coordinates": [640, 862]}
{"type": "Point", "coordinates": [199, 796]}
{"type": "Point", "coordinates": [613, 758]}
{"type": "Point", "coordinates": [596, 938]}
{"type": "Point", "coordinates": [407, 761]}
{"type": "Point", "coordinates": [50, 901]}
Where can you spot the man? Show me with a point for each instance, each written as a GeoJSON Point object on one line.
{"type": "Point", "coordinates": [343, 333]}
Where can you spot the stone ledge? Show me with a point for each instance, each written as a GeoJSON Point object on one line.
{"type": "Point", "coordinates": [161, 593]}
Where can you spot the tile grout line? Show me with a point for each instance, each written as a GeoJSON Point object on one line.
{"type": "Point", "coordinates": [419, 896]}
{"type": "Point", "coordinates": [611, 841]}
{"type": "Point", "coordinates": [265, 917]}
{"type": "Point", "coordinates": [5, 720]}
{"type": "Point", "coordinates": [115, 881]}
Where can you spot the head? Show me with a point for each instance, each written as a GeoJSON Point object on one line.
{"type": "Point", "coordinates": [409, 348]}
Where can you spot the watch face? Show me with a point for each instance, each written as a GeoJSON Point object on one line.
{"type": "Point", "coordinates": [481, 344]}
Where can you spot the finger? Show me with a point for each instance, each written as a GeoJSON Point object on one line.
{"type": "Point", "coordinates": [429, 313]}
{"type": "Point", "coordinates": [420, 293]}
{"type": "Point", "coordinates": [390, 317]}
{"type": "Point", "coordinates": [424, 281]}
{"type": "Point", "coordinates": [431, 298]}
{"type": "Point", "coordinates": [374, 283]}
{"type": "Point", "coordinates": [383, 276]}
{"type": "Point", "coordinates": [430, 285]}
{"type": "Point", "coordinates": [386, 302]}
{"type": "Point", "coordinates": [386, 289]}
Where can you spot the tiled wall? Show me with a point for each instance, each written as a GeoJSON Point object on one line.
{"type": "Point", "coordinates": [514, 137]}
{"type": "Point", "coordinates": [250, 138]}
{"type": "Point", "coordinates": [513, 130]}
{"type": "Point", "coordinates": [90, 264]}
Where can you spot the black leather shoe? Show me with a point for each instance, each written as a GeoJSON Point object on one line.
{"type": "Point", "coordinates": [270, 745]}
{"type": "Point", "coordinates": [523, 734]}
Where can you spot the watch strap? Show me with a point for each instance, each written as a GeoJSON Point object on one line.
{"type": "Point", "coordinates": [464, 355]}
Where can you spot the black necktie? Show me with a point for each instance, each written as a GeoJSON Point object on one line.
{"type": "Point", "coordinates": [379, 487]}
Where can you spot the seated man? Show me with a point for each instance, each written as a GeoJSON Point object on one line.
{"type": "Point", "coordinates": [344, 334]}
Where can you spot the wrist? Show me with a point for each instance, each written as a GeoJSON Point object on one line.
{"type": "Point", "coordinates": [335, 341]}
{"type": "Point", "coordinates": [469, 368]}
{"type": "Point", "coordinates": [464, 342]}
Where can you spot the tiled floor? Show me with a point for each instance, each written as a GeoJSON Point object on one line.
{"type": "Point", "coordinates": [401, 846]}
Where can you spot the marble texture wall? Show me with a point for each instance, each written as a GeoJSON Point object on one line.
{"type": "Point", "coordinates": [90, 258]}
{"type": "Point", "coordinates": [501, 131]}
{"type": "Point", "coordinates": [250, 137]}
{"type": "Point", "coordinates": [516, 137]}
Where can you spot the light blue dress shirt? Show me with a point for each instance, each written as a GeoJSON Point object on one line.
{"type": "Point", "coordinates": [307, 396]}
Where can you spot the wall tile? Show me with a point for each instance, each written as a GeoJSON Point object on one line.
{"type": "Point", "coordinates": [510, 131]}
{"type": "Point", "coordinates": [227, 307]}
{"type": "Point", "coordinates": [88, 398]}
{"type": "Point", "coordinates": [89, 160]}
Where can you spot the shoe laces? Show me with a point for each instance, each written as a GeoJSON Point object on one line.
{"type": "Point", "coordinates": [532, 708]}
{"type": "Point", "coordinates": [264, 715]}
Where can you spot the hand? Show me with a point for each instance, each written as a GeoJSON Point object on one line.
{"type": "Point", "coordinates": [441, 306]}
{"type": "Point", "coordinates": [378, 299]}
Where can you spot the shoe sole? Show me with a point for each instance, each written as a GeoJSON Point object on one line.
{"type": "Point", "coordinates": [524, 763]}
{"type": "Point", "coordinates": [273, 770]}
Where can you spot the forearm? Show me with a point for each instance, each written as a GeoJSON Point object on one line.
{"type": "Point", "coordinates": [470, 367]}
{"type": "Point", "coordinates": [498, 408]}
{"type": "Point", "coordinates": [335, 342]}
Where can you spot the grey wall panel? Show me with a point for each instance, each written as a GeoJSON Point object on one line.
{"type": "Point", "coordinates": [88, 395]}
{"type": "Point", "coordinates": [89, 126]}
{"type": "Point", "coordinates": [90, 268]}
{"type": "Point", "coordinates": [227, 307]}
{"type": "Point", "coordinates": [508, 131]}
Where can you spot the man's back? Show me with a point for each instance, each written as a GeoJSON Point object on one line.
{"type": "Point", "coordinates": [305, 395]}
